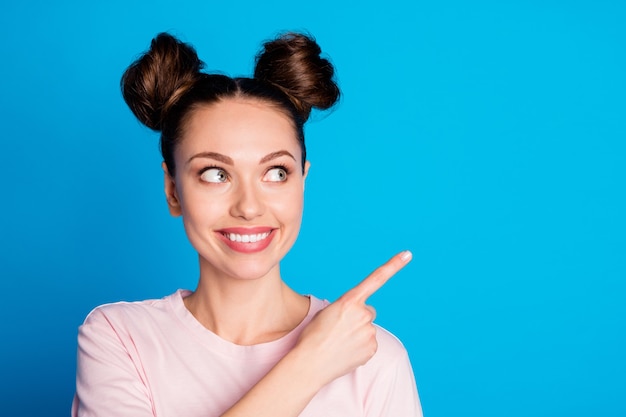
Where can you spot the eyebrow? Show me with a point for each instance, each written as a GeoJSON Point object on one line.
{"type": "Point", "coordinates": [229, 161]}
{"type": "Point", "coordinates": [213, 155]}
{"type": "Point", "coordinates": [275, 155]}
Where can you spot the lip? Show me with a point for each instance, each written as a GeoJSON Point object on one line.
{"type": "Point", "coordinates": [246, 247]}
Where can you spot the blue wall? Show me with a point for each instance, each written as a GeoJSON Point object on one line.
{"type": "Point", "coordinates": [488, 137]}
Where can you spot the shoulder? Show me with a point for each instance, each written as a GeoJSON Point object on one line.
{"type": "Point", "coordinates": [123, 316]}
{"type": "Point", "coordinates": [123, 309]}
{"type": "Point", "coordinates": [390, 361]}
{"type": "Point", "coordinates": [391, 382]}
{"type": "Point", "coordinates": [390, 348]}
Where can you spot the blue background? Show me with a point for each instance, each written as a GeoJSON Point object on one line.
{"type": "Point", "coordinates": [488, 137]}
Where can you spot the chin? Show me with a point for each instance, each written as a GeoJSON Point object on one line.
{"type": "Point", "coordinates": [242, 269]}
{"type": "Point", "coordinates": [252, 273]}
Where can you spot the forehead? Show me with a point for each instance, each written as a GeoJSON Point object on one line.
{"type": "Point", "coordinates": [238, 126]}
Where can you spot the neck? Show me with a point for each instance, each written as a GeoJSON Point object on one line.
{"type": "Point", "coordinates": [246, 311]}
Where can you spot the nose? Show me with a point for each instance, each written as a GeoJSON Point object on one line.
{"type": "Point", "coordinates": [247, 202]}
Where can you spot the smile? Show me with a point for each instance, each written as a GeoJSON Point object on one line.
{"type": "Point", "coordinates": [235, 237]}
{"type": "Point", "coordinates": [246, 239]}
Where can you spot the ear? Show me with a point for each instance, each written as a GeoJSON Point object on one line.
{"type": "Point", "coordinates": [170, 193]}
{"type": "Point", "coordinates": [307, 165]}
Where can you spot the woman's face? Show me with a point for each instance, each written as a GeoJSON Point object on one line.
{"type": "Point", "coordinates": [239, 187]}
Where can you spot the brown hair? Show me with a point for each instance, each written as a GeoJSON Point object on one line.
{"type": "Point", "coordinates": [165, 85]}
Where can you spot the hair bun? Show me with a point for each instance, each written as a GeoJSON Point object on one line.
{"type": "Point", "coordinates": [292, 62]}
{"type": "Point", "coordinates": [154, 83]}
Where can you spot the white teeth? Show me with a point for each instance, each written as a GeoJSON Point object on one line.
{"type": "Point", "coordinates": [234, 237]}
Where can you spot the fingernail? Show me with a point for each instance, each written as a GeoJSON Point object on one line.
{"type": "Point", "coordinates": [406, 255]}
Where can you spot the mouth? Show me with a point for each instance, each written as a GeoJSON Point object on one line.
{"type": "Point", "coordinates": [246, 240]}
{"type": "Point", "coordinates": [253, 238]}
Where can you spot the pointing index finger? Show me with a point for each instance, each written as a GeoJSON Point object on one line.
{"type": "Point", "coordinates": [379, 277]}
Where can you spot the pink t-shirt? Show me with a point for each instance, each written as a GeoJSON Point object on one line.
{"type": "Point", "coordinates": [153, 358]}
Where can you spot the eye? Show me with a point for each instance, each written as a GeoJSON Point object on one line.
{"type": "Point", "coordinates": [276, 174]}
{"type": "Point", "coordinates": [215, 175]}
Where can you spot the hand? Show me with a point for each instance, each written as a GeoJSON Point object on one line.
{"type": "Point", "coordinates": [338, 339]}
{"type": "Point", "coordinates": [342, 336]}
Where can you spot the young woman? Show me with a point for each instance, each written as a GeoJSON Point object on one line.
{"type": "Point", "coordinates": [243, 343]}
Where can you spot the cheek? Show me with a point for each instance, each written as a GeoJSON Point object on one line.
{"type": "Point", "coordinates": [200, 214]}
{"type": "Point", "coordinates": [288, 207]}
{"type": "Point", "coordinates": [200, 206]}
